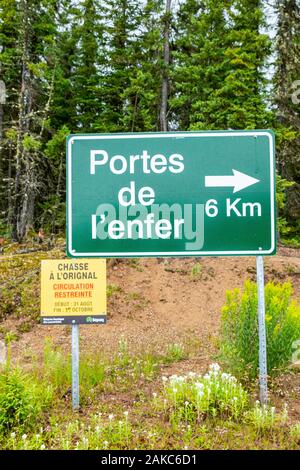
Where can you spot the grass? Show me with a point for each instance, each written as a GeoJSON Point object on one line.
{"type": "Point", "coordinates": [128, 403]}
{"type": "Point", "coordinates": [124, 403]}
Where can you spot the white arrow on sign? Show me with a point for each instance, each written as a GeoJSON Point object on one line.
{"type": "Point", "coordinates": [237, 181]}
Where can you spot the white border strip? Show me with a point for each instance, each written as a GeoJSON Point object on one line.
{"type": "Point", "coordinates": [167, 135]}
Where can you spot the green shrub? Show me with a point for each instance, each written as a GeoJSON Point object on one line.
{"type": "Point", "coordinates": [18, 407]}
{"type": "Point", "coordinates": [239, 329]}
{"type": "Point", "coordinates": [282, 186]}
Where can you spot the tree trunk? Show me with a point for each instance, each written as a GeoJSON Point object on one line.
{"type": "Point", "coordinates": [21, 188]}
{"type": "Point", "coordinates": [2, 102]}
{"type": "Point", "coordinates": [165, 75]}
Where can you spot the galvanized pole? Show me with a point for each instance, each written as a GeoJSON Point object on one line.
{"type": "Point", "coordinates": [263, 373]}
{"type": "Point", "coordinates": [75, 367]}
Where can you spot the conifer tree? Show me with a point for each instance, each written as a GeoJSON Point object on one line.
{"type": "Point", "coordinates": [287, 102]}
{"type": "Point", "coordinates": [122, 20]}
{"type": "Point", "coordinates": [199, 63]}
{"type": "Point", "coordinates": [121, 65]}
{"type": "Point", "coordinates": [219, 60]}
{"type": "Point", "coordinates": [10, 73]}
{"type": "Point", "coordinates": [63, 109]}
{"type": "Point", "coordinates": [88, 63]}
{"type": "Point", "coordinates": [244, 88]}
{"type": "Point", "coordinates": [142, 95]}
{"type": "Point", "coordinates": [26, 125]}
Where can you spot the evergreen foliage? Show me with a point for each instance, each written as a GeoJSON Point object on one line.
{"type": "Point", "coordinates": [127, 66]}
{"type": "Point", "coordinates": [287, 104]}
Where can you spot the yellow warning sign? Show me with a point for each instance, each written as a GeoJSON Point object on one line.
{"type": "Point", "coordinates": [73, 291]}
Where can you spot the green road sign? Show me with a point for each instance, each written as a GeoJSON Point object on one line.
{"type": "Point", "coordinates": [171, 194]}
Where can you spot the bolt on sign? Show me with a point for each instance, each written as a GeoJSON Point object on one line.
{"type": "Point", "coordinates": [171, 194]}
{"type": "Point", "coordinates": [73, 291]}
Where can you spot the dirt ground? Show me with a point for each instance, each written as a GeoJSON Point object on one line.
{"type": "Point", "coordinates": [157, 302]}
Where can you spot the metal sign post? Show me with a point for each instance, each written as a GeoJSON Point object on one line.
{"type": "Point", "coordinates": [75, 367]}
{"type": "Point", "coordinates": [157, 194]}
{"type": "Point", "coordinates": [263, 381]}
{"type": "Point", "coordinates": [73, 292]}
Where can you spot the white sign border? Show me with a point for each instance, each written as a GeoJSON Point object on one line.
{"type": "Point", "coordinates": [268, 134]}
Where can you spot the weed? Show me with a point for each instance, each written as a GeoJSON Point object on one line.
{"type": "Point", "coordinates": [25, 327]}
{"type": "Point", "coordinates": [193, 397]}
{"type": "Point", "coordinates": [57, 370]}
{"type": "Point", "coordinates": [239, 338]}
{"type": "Point", "coordinates": [175, 352]}
{"type": "Point", "coordinates": [25, 441]}
{"type": "Point", "coordinates": [112, 289]}
{"type": "Point", "coordinates": [135, 263]}
{"type": "Point", "coordinates": [56, 367]}
{"type": "Point", "coordinates": [191, 411]}
{"type": "Point", "coordinates": [264, 418]}
{"type": "Point", "coordinates": [196, 270]}
{"type": "Point", "coordinates": [101, 432]}
{"type": "Point", "coordinates": [9, 337]}
{"type": "Point", "coordinates": [295, 433]}
{"type": "Point", "coordinates": [290, 269]}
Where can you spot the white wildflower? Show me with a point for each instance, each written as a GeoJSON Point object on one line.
{"type": "Point", "coordinates": [199, 385]}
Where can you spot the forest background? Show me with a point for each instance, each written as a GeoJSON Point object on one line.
{"type": "Point", "coordinates": [71, 66]}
